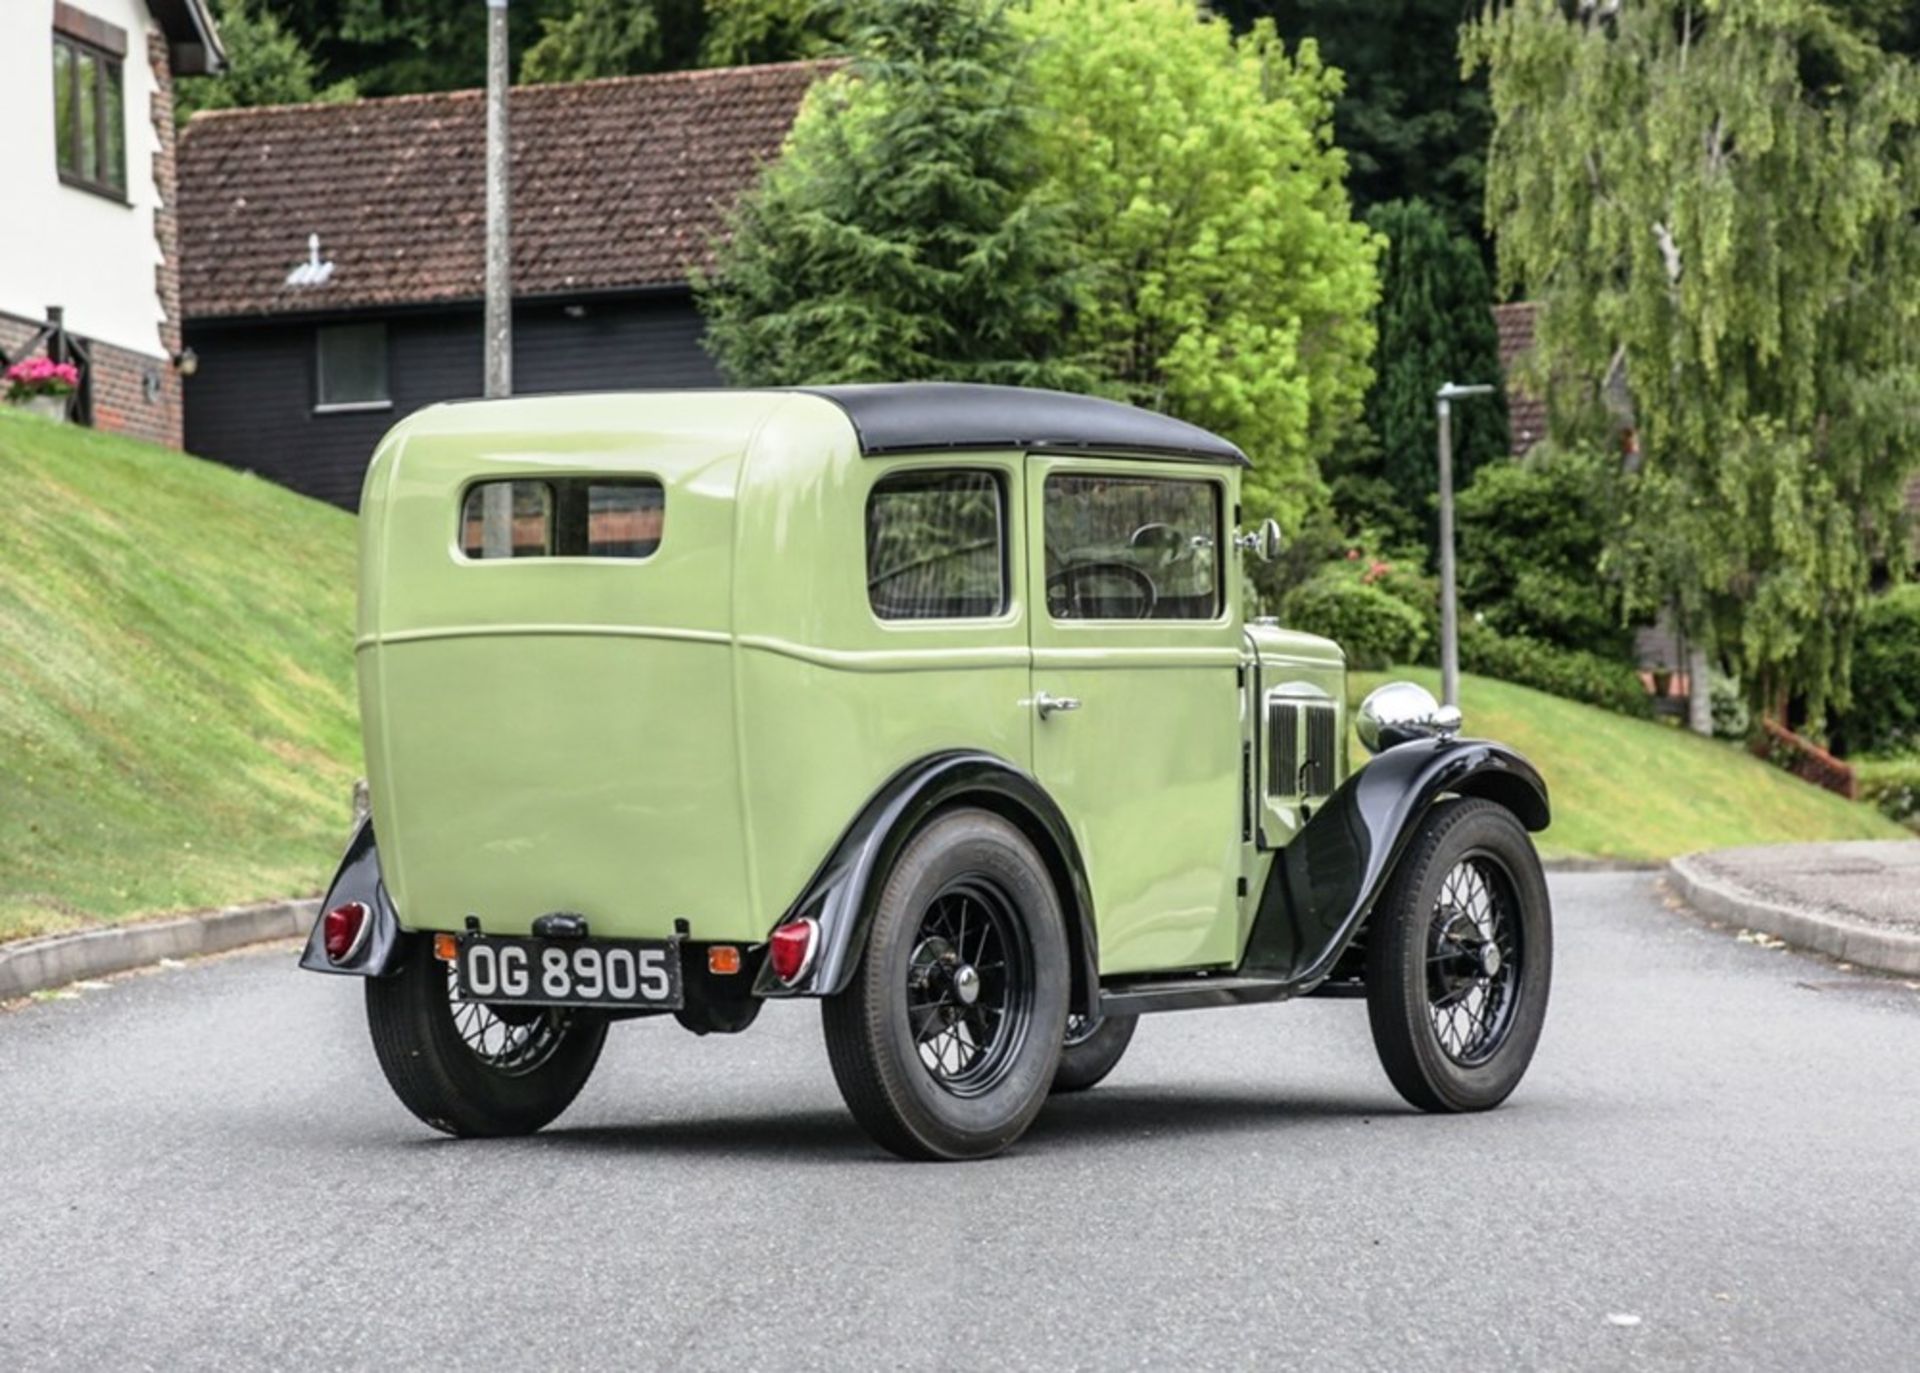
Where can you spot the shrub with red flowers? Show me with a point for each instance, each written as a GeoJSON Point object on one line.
{"type": "Point", "coordinates": [32, 377]}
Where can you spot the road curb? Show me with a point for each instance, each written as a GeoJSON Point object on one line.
{"type": "Point", "coordinates": [1868, 946]}
{"type": "Point", "coordinates": [33, 965]}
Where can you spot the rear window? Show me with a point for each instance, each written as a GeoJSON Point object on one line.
{"type": "Point", "coordinates": [562, 517]}
{"type": "Point", "coordinates": [935, 548]}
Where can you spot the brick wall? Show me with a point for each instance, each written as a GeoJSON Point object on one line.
{"type": "Point", "coordinates": [121, 396]}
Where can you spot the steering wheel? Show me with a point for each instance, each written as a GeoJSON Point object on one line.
{"type": "Point", "coordinates": [1070, 583]}
{"type": "Point", "coordinates": [1173, 545]}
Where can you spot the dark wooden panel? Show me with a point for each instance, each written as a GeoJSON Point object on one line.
{"type": "Point", "coordinates": [250, 405]}
{"type": "Point", "coordinates": [610, 347]}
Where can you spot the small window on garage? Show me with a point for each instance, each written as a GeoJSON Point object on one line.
{"type": "Point", "coordinates": [350, 367]}
{"type": "Point", "coordinates": [936, 546]}
{"type": "Point", "coordinates": [564, 517]}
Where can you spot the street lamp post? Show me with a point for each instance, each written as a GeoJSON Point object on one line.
{"type": "Point", "coordinates": [1449, 593]}
{"type": "Point", "coordinates": [496, 517]}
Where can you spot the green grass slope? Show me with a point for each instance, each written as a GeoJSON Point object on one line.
{"type": "Point", "coordinates": [177, 720]}
{"type": "Point", "coordinates": [1630, 789]}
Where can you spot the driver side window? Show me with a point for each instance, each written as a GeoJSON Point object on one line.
{"type": "Point", "coordinates": [1132, 548]}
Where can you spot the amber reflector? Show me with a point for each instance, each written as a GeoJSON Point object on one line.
{"type": "Point", "coordinates": [446, 947]}
{"type": "Point", "coordinates": [723, 959]}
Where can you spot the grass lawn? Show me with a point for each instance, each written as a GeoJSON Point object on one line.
{"type": "Point", "coordinates": [177, 718]}
{"type": "Point", "coordinates": [1631, 789]}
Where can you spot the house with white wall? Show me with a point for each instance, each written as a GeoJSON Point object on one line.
{"type": "Point", "coordinates": [88, 197]}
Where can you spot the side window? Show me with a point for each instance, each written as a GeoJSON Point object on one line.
{"type": "Point", "coordinates": [564, 517]}
{"type": "Point", "coordinates": [507, 520]}
{"type": "Point", "coordinates": [1132, 548]}
{"type": "Point", "coordinates": [936, 546]}
{"type": "Point", "coordinates": [89, 115]}
{"type": "Point", "coordinates": [350, 367]}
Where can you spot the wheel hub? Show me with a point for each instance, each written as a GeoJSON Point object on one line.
{"type": "Point", "coordinates": [966, 984]}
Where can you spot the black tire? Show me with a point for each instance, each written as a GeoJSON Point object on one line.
{"type": "Point", "coordinates": [967, 890]}
{"type": "Point", "coordinates": [1454, 1024]}
{"type": "Point", "coordinates": [1091, 1052]}
{"type": "Point", "coordinates": [523, 1067]}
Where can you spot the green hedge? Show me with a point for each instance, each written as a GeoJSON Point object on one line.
{"type": "Point", "coordinates": [1892, 784]}
{"type": "Point", "coordinates": [1885, 716]}
{"type": "Point", "coordinates": [1605, 682]}
{"type": "Point", "coordinates": [1376, 629]}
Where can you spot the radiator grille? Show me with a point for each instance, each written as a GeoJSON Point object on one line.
{"type": "Point", "coordinates": [1302, 741]}
{"type": "Point", "coordinates": [1283, 744]}
{"type": "Point", "coordinates": [1320, 746]}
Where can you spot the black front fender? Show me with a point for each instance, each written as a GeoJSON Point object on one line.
{"type": "Point", "coordinates": [842, 893]}
{"type": "Point", "coordinates": [358, 879]}
{"type": "Point", "coordinates": [1324, 882]}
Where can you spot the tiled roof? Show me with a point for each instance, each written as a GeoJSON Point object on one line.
{"type": "Point", "coordinates": [618, 183]}
{"type": "Point", "coordinates": [1526, 413]}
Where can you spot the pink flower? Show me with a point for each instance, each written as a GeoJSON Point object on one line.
{"type": "Point", "coordinates": [41, 376]}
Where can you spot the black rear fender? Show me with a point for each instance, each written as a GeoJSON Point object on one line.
{"type": "Point", "coordinates": [358, 879]}
{"type": "Point", "coordinates": [842, 893]}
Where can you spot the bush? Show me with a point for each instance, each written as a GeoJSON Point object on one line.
{"type": "Point", "coordinates": [1532, 532]}
{"type": "Point", "coordinates": [1892, 784]}
{"type": "Point", "coordinates": [1885, 715]}
{"type": "Point", "coordinates": [1588, 677]}
{"type": "Point", "coordinates": [1374, 628]}
{"type": "Point", "coordinates": [1731, 719]}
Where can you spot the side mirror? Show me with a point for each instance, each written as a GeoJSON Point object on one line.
{"type": "Point", "coordinates": [1264, 543]}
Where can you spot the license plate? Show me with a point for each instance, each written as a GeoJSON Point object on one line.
{"type": "Point", "coordinates": [570, 972]}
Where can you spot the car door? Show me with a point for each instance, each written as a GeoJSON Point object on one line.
{"type": "Point", "coordinates": [1136, 729]}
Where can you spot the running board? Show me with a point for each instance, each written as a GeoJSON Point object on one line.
{"type": "Point", "coordinates": [1192, 993]}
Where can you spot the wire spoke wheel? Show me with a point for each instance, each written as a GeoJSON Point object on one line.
{"type": "Point", "coordinates": [513, 1040]}
{"type": "Point", "coordinates": [969, 993]}
{"type": "Point", "coordinates": [1474, 960]}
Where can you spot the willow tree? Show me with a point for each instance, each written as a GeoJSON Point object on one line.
{"type": "Point", "coordinates": [1715, 200]}
{"type": "Point", "coordinates": [1227, 280]}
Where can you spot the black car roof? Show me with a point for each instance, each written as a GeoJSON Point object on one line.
{"type": "Point", "coordinates": [931, 416]}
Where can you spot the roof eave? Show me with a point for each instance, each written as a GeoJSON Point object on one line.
{"type": "Point", "coordinates": [193, 38]}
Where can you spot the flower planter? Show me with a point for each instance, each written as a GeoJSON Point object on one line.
{"type": "Point", "coordinates": [53, 407]}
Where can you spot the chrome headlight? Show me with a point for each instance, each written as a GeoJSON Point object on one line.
{"type": "Point", "coordinates": [1402, 711]}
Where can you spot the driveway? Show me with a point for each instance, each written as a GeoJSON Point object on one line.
{"type": "Point", "coordinates": [1715, 1162]}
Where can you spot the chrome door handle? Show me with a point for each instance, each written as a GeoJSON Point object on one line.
{"type": "Point", "coordinates": [1046, 704]}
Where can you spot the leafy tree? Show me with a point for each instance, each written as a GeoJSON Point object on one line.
{"type": "Point", "coordinates": [1435, 323]}
{"type": "Point", "coordinates": [1532, 535]}
{"type": "Point", "coordinates": [399, 47]}
{"type": "Point", "coordinates": [744, 32]}
{"type": "Point", "coordinates": [596, 38]}
{"type": "Point", "coordinates": [266, 65]}
{"type": "Point", "coordinates": [1228, 282]}
{"type": "Point", "coordinates": [901, 235]}
{"type": "Point", "coordinates": [1412, 127]}
{"type": "Point", "coordinates": [1715, 204]}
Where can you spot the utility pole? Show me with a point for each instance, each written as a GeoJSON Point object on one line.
{"type": "Point", "coordinates": [496, 535]}
{"type": "Point", "coordinates": [1449, 590]}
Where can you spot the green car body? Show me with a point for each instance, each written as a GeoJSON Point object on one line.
{"type": "Point", "coordinates": [940, 704]}
{"type": "Point", "coordinates": [685, 736]}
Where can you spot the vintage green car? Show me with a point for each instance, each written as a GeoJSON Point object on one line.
{"type": "Point", "coordinates": [937, 703]}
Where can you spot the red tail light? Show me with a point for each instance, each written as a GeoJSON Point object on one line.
{"type": "Point", "coordinates": [791, 948]}
{"type": "Point", "coordinates": [344, 930]}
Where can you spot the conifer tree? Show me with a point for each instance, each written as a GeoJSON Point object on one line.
{"type": "Point", "coordinates": [1435, 323]}
{"type": "Point", "coordinates": [901, 235]}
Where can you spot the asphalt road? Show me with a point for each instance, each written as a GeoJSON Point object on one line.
{"type": "Point", "coordinates": [1715, 1163]}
